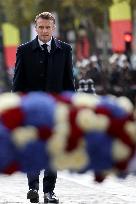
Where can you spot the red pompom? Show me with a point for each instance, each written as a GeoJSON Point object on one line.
{"type": "Point", "coordinates": [12, 118]}
{"type": "Point", "coordinates": [13, 167]}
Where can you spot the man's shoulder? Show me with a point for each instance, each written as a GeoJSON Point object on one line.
{"type": "Point", "coordinates": [31, 45]}
{"type": "Point", "coordinates": [63, 44]}
{"type": "Point", "coordinates": [26, 45]}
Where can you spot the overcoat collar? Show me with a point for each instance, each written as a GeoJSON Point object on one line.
{"type": "Point", "coordinates": [54, 44]}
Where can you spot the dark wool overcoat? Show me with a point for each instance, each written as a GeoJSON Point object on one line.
{"type": "Point", "coordinates": [30, 74]}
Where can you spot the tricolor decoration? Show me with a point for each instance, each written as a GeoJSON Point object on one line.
{"type": "Point", "coordinates": [120, 23]}
{"type": "Point", "coordinates": [74, 131]}
{"type": "Point", "coordinates": [11, 39]}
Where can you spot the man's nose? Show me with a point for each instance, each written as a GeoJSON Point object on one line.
{"type": "Point", "coordinates": [45, 30]}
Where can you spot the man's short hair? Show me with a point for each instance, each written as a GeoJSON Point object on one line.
{"type": "Point", "coordinates": [45, 15]}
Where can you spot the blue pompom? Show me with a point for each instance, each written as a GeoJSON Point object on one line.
{"type": "Point", "coordinates": [33, 157]}
{"type": "Point", "coordinates": [39, 109]}
{"type": "Point", "coordinates": [7, 150]}
{"type": "Point", "coordinates": [112, 106]}
{"type": "Point", "coordinates": [98, 146]}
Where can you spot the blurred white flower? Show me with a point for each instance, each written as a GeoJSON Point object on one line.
{"type": "Point", "coordinates": [74, 160]}
{"type": "Point", "coordinates": [120, 151]}
{"type": "Point", "coordinates": [21, 136]}
{"type": "Point", "coordinates": [130, 128]}
{"type": "Point", "coordinates": [61, 112]}
{"type": "Point", "coordinates": [125, 103]}
{"type": "Point", "coordinates": [58, 141]}
{"type": "Point", "coordinates": [84, 99]}
{"type": "Point", "coordinates": [88, 120]}
{"type": "Point", "coordinates": [8, 101]}
{"type": "Point", "coordinates": [61, 130]}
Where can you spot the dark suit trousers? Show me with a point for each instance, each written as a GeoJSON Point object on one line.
{"type": "Point", "coordinates": [49, 180]}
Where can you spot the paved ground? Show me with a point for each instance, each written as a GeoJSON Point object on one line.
{"type": "Point", "coordinates": [72, 189]}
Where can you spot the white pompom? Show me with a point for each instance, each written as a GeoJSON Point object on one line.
{"type": "Point", "coordinates": [75, 160]}
{"type": "Point", "coordinates": [58, 141]}
{"type": "Point", "coordinates": [8, 101]}
{"type": "Point", "coordinates": [125, 103]}
{"type": "Point", "coordinates": [61, 113]}
{"type": "Point", "coordinates": [130, 128]}
{"type": "Point", "coordinates": [88, 120]}
{"type": "Point", "coordinates": [120, 151]}
{"type": "Point", "coordinates": [23, 135]}
{"type": "Point", "coordinates": [84, 99]}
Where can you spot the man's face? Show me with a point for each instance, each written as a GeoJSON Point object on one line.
{"type": "Point", "coordinates": [44, 29]}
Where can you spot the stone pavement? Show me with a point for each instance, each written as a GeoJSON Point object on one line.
{"type": "Point", "coordinates": [72, 189]}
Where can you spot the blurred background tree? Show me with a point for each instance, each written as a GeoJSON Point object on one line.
{"type": "Point", "coordinates": [23, 12]}
{"type": "Point", "coordinates": [73, 15]}
{"type": "Point", "coordinates": [77, 16]}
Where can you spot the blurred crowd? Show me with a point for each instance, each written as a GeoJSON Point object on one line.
{"type": "Point", "coordinates": [117, 76]}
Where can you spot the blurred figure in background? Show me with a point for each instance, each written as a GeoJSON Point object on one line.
{"type": "Point", "coordinates": [86, 86]}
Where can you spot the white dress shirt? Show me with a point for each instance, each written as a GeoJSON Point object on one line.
{"type": "Point", "coordinates": [48, 44]}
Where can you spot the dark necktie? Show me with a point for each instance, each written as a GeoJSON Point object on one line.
{"type": "Point", "coordinates": [45, 48]}
{"type": "Point", "coordinates": [45, 52]}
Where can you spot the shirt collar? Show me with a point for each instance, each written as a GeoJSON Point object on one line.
{"type": "Point", "coordinates": [54, 44]}
{"type": "Point", "coordinates": [48, 43]}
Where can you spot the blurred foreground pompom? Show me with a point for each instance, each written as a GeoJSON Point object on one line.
{"type": "Point", "coordinates": [74, 131]}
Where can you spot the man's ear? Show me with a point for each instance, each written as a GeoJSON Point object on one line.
{"type": "Point", "coordinates": [54, 27]}
{"type": "Point", "coordinates": [35, 28]}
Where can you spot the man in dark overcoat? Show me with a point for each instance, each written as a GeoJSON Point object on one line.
{"type": "Point", "coordinates": [43, 64]}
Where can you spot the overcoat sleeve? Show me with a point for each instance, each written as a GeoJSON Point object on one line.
{"type": "Point", "coordinates": [68, 80]}
{"type": "Point", "coordinates": [19, 74]}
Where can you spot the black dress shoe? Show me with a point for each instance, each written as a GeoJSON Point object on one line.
{"type": "Point", "coordinates": [33, 196]}
{"type": "Point", "coordinates": [50, 197]}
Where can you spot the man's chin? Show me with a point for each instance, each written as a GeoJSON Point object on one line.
{"type": "Point", "coordinates": [45, 39]}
